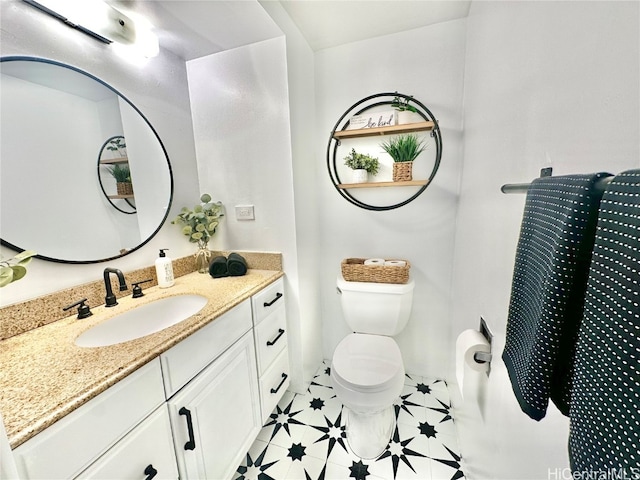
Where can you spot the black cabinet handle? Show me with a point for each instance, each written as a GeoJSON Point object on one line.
{"type": "Point", "coordinates": [191, 444]}
{"type": "Point", "coordinates": [275, 390]}
{"type": "Point", "coordinates": [268, 304]}
{"type": "Point", "coordinates": [150, 472]}
{"type": "Point", "coordinates": [273, 342]}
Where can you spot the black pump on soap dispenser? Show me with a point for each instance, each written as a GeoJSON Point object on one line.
{"type": "Point", "coordinates": [164, 270]}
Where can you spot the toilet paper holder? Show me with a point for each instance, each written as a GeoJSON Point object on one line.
{"type": "Point", "coordinates": [485, 357]}
{"type": "Point", "coordinates": [482, 357]}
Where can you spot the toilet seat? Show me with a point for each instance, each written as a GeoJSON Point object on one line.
{"type": "Point", "coordinates": [367, 363]}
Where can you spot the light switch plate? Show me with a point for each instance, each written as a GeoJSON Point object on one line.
{"type": "Point", "coordinates": [245, 212]}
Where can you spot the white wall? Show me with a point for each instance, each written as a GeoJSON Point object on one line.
{"type": "Point", "coordinates": [158, 88]}
{"type": "Point", "coordinates": [306, 169]}
{"type": "Point", "coordinates": [240, 108]}
{"type": "Point", "coordinates": [427, 63]}
{"type": "Point", "coordinates": [545, 83]}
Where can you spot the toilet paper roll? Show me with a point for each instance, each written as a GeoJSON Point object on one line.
{"type": "Point", "coordinates": [395, 263]}
{"type": "Point", "coordinates": [468, 343]}
{"type": "Point", "coordinates": [374, 261]}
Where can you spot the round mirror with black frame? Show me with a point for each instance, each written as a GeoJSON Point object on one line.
{"type": "Point", "coordinates": [55, 118]}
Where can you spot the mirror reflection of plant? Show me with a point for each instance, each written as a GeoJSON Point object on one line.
{"type": "Point", "coordinates": [13, 269]}
{"type": "Point", "coordinates": [117, 145]}
{"type": "Point", "coordinates": [357, 161]}
{"type": "Point", "coordinates": [121, 173]}
{"type": "Point", "coordinates": [404, 148]}
{"type": "Point", "coordinates": [200, 223]}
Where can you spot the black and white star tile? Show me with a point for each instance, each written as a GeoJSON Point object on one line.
{"type": "Point", "coordinates": [305, 438]}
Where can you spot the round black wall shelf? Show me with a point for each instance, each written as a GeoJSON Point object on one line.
{"type": "Point", "coordinates": [341, 133]}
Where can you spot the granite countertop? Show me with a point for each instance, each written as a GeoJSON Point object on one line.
{"type": "Point", "coordinates": [45, 376]}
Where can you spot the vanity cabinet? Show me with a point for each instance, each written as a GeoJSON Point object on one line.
{"type": "Point", "coordinates": [191, 413]}
{"type": "Point", "coordinates": [270, 336]}
{"type": "Point", "coordinates": [71, 444]}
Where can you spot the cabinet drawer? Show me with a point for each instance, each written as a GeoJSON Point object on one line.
{"type": "Point", "coordinates": [267, 300]}
{"type": "Point", "coordinates": [185, 360]}
{"type": "Point", "coordinates": [68, 446]}
{"type": "Point", "coordinates": [271, 338]}
{"type": "Point", "coordinates": [145, 450]}
{"type": "Point", "coordinates": [273, 384]}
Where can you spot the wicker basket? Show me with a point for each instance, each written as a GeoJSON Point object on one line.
{"type": "Point", "coordinates": [124, 188]}
{"type": "Point", "coordinates": [402, 171]}
{"type": "Point", "coordinates": [354, 270]}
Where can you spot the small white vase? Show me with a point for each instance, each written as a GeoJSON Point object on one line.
{"type": "Point", "coordinates": [360, 175]}
{"type": "Point", "coordinates": [407, 116]}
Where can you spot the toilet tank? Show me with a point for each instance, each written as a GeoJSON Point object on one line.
{"type": "Point", "coordinates": [376, 308]}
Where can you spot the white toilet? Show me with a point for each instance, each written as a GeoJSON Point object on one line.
{"type": "Point", "coordinates": [367, 372]}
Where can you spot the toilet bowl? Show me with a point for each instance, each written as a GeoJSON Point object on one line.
{"type": "Point", "coordinates": [367, 372]}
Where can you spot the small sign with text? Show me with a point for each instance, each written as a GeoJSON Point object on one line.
{"type": "Point", "coordinates": [372, 120]}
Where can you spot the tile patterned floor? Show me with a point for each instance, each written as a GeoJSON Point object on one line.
{"type": "Point", "coordinates": [304, 439]}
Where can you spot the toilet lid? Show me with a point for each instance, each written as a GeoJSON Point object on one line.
{"type": "Point", "coordinates": [367, 362]}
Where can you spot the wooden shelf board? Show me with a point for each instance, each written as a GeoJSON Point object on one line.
{"type": "Point", "coordinates": [120, 196]}
{"type": "Point", "coordinates": [412, 183]}
{"type": "Point", "coordinates": [369, 132]}
{"type": "Point", "coordinates": [110, 161]}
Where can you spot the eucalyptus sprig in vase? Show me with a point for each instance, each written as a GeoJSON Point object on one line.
{"type": "Point", "coordinates": [199, 225]}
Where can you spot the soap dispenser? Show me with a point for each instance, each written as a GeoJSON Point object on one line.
{"type": "Point", "coordinates": [164, 270]}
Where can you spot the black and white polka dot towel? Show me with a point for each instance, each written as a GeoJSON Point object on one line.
{"type": "Point", "coordinates": [605, 406]}
{"type": "Point", "coordinates": [547, 293]}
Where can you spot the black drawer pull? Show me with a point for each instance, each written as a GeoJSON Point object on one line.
{"type": "Point", "coordinates": [275, 390]}
{"type": "Point", "coordinates": [268, 304]}
{"type": "Point", "coordinates": [273, 342]}
{"type": "Point", "coordinates": [191, 444]}
{"type": "Point", "coordinates": [150, 472]}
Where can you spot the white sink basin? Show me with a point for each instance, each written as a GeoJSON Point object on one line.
{"type": "Point", "coordinates": [142, 321]}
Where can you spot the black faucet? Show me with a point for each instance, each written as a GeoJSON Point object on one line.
{"type": "Point", "coordinates": [110, 299]}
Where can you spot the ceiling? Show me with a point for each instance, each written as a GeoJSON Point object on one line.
{"type": "Point", "coordinates": [194, 28]}
{"type": "Point", "coordinates": [329, 23]}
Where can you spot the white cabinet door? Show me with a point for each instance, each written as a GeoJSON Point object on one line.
{"type": "Point", "coordinates": [216, 416]}
{"type": "Point", "coordinates": [145, 453]}
{"type": "Point", "coordinates": [71, 444]}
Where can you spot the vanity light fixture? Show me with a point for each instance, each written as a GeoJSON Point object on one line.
{"type": "Point", "coordinates": [102, 22]}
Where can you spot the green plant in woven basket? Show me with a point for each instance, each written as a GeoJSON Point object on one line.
{"type": "Point", "coordinates": [404, 148]}
{"type": "Point", "coordinates": [362, 161]}
{"type": "Point", "coordinates": [121, 173]}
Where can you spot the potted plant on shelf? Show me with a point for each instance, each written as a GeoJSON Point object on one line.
{"type": "Point", "coordinates": [118, 145]}
{"type": "Point", "coordinates": [200, 225]}
{"type": "Point", "coordinates": [122, 175]}
{"type": "Point", "coordinates": [407, 113]}
{"type": "Point", "coordinates": [362, 165]}
{"type": "Point", "coordinates": [403, 149]}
